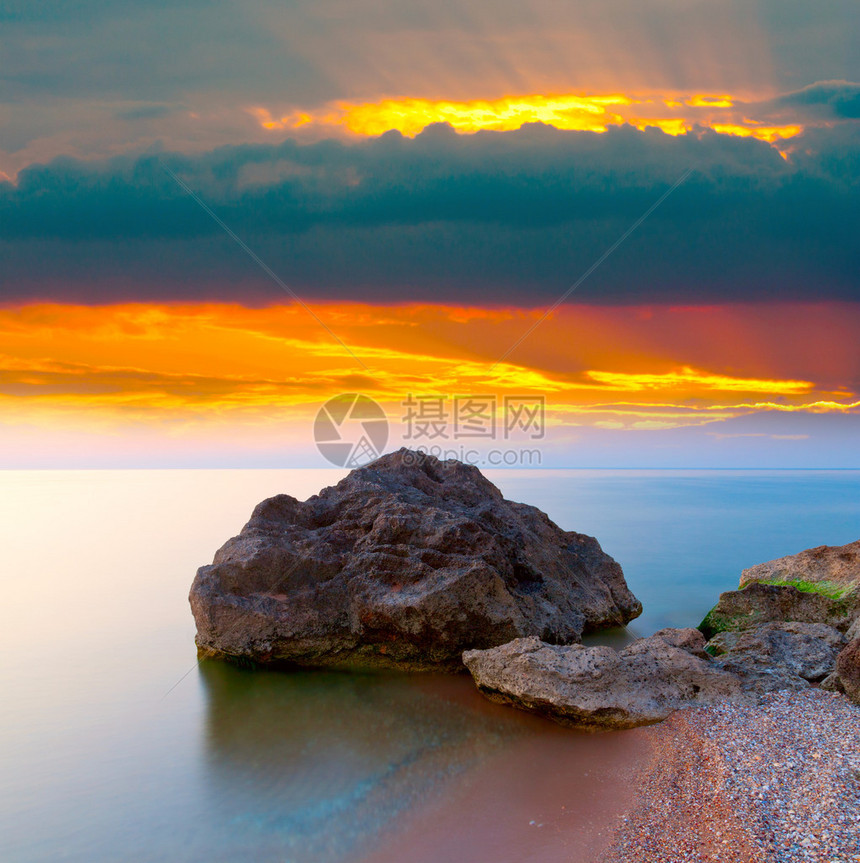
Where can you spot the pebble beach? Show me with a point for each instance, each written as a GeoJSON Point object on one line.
{"type": "Point", "coordinates": [775, 783]}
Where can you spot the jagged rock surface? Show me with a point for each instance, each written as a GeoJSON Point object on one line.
{"type": "Point", "coordinates": [758, 603]}
{"type": "Point", "coordinates": [778, 656]}
{"type": "Point", "coordinates": [765, 637]}
{"type": "Point", "coordinates": [827, 564]}
{"type": "Point", "coordinates": [818, 585]}
{"type": "Point", "coordinates": [407, 561]}
{"type": "Point", "coordinates": [848, 671]}
{"type": "Point", "coordinates": [601, 688]}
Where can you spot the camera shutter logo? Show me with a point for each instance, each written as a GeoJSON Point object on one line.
{"type": "Point", "coordinates": [351, 430]}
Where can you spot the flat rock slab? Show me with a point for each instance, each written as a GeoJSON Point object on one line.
{"type": "Point", "coordinates": [600, 688]}
{"type": "Point", "coordinates": [406, 562]}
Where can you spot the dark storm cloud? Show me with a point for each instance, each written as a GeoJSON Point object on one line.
{"type": "Point", "coordinates": [832, 99]}
{"type": "Point", "coordinates": [491, 217]}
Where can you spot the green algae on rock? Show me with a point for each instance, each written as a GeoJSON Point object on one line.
{"type": "Point", "coordinates": [758, 603]}
{"type": "Point", "coordinates": [819, 585]}
{"type": "Point", "coordinates": [828, 566]}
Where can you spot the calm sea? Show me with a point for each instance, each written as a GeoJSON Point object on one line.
{"type": "Point", "coordinates": [117, 745]}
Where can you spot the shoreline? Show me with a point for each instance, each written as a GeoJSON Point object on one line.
{"type": "Point", "coordinates": [778, 782]}
{"type": "Point", "coordinates": [552, 795]}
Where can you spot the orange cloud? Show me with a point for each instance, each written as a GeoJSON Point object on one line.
{"type": "Point", "coordinates": [193, 368]}
{"type": "Point", "coordinates": [688, 378]}
{"type": "Point", "coordinates": [410, 116]}
{"type": "Point", "coordinates": [710, 102]}
{"type": "Point", "coordinates": [771, 134]}
{"type": "Point", "coordinates": [672, 114]}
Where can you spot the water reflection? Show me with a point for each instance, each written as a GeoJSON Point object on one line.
{"type": "Point", "coordinates": [312, 766]}
{"type": "Point", "coordinates": [99, 766]}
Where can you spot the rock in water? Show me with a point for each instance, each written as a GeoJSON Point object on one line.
{"type": "Point", "coordinates": [407, 561]}
{"type": "Point", "coordinates": [601, 688]}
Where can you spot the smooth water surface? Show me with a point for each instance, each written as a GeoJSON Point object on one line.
{"type": "Point", "coordinates": [116, 745]}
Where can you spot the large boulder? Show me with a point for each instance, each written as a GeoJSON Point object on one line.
{"type": "Point", "coordinates": [407, 561]}
{"type": "Point", "coordinates": [778, 655]}
{"type": "Point", "coordinates": [601, 688]}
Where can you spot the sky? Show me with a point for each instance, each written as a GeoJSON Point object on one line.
{"type": "Point", "coordinates": [214, 217]}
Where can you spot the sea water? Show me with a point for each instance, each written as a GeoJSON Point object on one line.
{"type": "Point", "coordinates": [117, 745]}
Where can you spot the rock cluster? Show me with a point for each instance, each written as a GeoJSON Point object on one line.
{"type": "Point", "coordinates": [764, 638]}
{"type": "Point", "coordinates": [778, 656]}
{"type": "Point", "coordinates": [407, 561]}
{"type": "Point", "coordinates": [601, 688]}
{"type": "Point", "coordinates": [819, 586]}
{"type": "Point", "coordinates": [417, 563]}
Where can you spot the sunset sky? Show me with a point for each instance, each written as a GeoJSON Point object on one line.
{"type": "Point", "coordinates": [216, 216]}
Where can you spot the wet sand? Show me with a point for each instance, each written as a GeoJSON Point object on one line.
{"type": "Point", "coordinates": [551, 795]}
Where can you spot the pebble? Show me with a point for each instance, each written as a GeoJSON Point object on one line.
{"type": "Point", "coordinates": [778, 782]}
